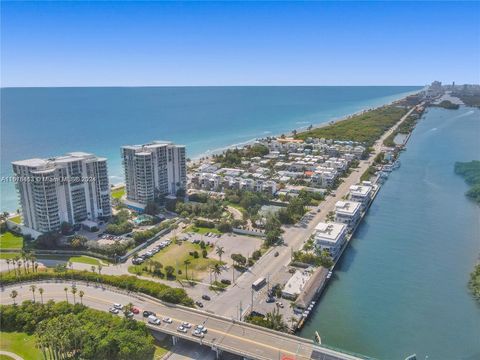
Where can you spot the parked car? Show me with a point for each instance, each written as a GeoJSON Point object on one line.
{"type": "Point", "coordinates": [147, 313]}
{"type": "Point", "coordinates": [152, 319]}
{"type": "Point", "coordinates": [129, 314]}
{"type": "Point", "coordinates": [186, 325]}
{"type": "Point", "coordinates": [276, 254]}
{"type": "Point", "coordinates": [135, 310]}
{"type": "Point", "coordinates": [225, 281]}
{"type": "Point", "coordinates": [118, 306]}
{"type": "Point", "coordinates": [199, 304]}
{"type": "Point", "coordinates": [167, 320]}
{"type": "Point", "coordinates": [270, 299]}
{"type": "Point", "coordinates": [206, 297]}
{"type": "Point", "coordinates": [113, 310]}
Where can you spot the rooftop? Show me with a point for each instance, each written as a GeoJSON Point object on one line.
{"type": "Point", "coordinates": [360, 190]}
{"type": "Point", "coordinates": [329, 231]}
{"type": "Point", "coordinates": [347, 207]}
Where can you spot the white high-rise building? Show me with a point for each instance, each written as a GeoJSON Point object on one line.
{"type": "Point", "coordinates": [70, 188]}
{"type": "Point", "coordinates": [154, 170]}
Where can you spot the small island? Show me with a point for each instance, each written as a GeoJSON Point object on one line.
{"type": "Point", "coordinates": [471, 173]}
{"type": "Point", "coordinates": [446, 104]}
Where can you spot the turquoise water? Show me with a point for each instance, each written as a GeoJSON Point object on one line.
{"type": "Point", "coordinates": [401, 287]}
{"type": "Point", "coordinates": [42, 122]}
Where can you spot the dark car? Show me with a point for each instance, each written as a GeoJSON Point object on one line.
{"type": "Point", "coordinates": [206, 297]}
{"type": "Point", "coordinates": [147, 313]}
{"type": "Point", "coordinates": [225, 281]}
{"type": "Point", "coordinates": [199, 304]}
{"type": "Point", "coordinates": [276, 254]}
{"type": "Point", "coordinates": [270, 299]}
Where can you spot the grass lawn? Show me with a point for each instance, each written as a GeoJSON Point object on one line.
{"type": "Point", "coordinates": [75, 259]}
{"type": "Point", "coordinates": [21, 344]}
{"type": "Point", "coordinates": [177, 254]}
{"type": "Point", "coordinates": [9, 240]}
{"type": "Point", "coordinates": [161, 348]}
{"type": "Point", "coordinates": [16, 219]}
{"type": "Point", "coordinates": [201, 230]}
{"type": "Point", "coordinates": [9, 255]}
{"type": "Point", "coordinates": [118, 193]}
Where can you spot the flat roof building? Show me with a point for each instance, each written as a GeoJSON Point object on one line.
{"type": "Point", "coordinates": [153, 170]}
{"type": "Point", "coordinates": [330, 237]}
{"type": "Point", "coordinates": [71, 188]}
{"type": "Point", "coordinates": [361, 194]}
{"type": "Point", "coordinates": [348, 213]}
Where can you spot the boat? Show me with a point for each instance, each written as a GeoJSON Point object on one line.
{"type": "Point", "coordinates": [396, 164]}
{"type": "Point", "coordinates": [329, 275]}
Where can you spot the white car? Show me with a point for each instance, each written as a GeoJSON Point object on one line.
{"type": "Point", "coordinates": [167, 320]}
{"type": "Point", "coordinates": [113, 310]}
{"type": "Point", "coordinates": [198, 333]}
{"type": "Point", "coordinates": [181, 329]}
{"type": "Point", "coordinates": [201, 328]}
{"type": "Point", "coordinates": [186, 325]}
{"type": "Point", "coordinates": [118, 306]}
{"type": "Point", "coordinates": [152, 319]}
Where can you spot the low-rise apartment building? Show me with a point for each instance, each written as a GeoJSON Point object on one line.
{"type": "Point", "coordinates": [348, 213]}
{"type": "Point", "coordinates": [330, 237]}
{"type": "Point", "coordinates": [361, 194]}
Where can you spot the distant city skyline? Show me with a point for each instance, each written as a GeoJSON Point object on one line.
{"type": "Point", "coordinates": [239, 43]}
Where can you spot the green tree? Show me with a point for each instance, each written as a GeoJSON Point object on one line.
{"type": "Point", "coordinates": [32, 289]}
{"type": "Point", "coordinates": [40, 290]}
{"type": "Point", "coordinates": [13, 295]}
{"type": "Point", "coordinates": [186, 263]}
{"type": "Point", "coordinates": [219, 250]}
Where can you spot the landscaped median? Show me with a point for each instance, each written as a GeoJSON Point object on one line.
{"type": "Point", "coordinates": [131, 283]}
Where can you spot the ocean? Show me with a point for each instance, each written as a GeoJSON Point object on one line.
{"type": "Point", "coordinates": [45, 122]}
{"type": "Point", "coordinates": [401, 286]}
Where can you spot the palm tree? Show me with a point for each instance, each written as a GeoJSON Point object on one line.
{"type": "Point", "coordinates": [220, 251]}
{"type": "Point", "coordinates": [100, 269]}
{"type": "Point", "coordinates": [217, 270]}
{"type": "Point", "coordinates": [32, 260]}
{"type": "Point", "coordinates": [293, 319]}
{"type": "Point", "coordinates": [8, 264]}
{"type": "Point", "coordinates": [186, 263]}
{"type": "Point", "coordinates": [127, 309]}
{"type": "Point", "coordinates": [40, 290]}
{"type": "Point", "coordinates": [19, 266]}
{"type": "Point", "coordinates": [93, 268]}
{"type": "Point", "coordinates": [32, 289]}
{"type": "Point", "coordinates": [74, 291]}
{"type": "Point", "coordinates": [81, 293]}
{"type": "Point", "coordinates": [66, 291]}
{"type": "Point", "coordinates": [13, 295]}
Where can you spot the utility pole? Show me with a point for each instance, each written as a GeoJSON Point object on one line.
{"type": "Point", "coordinates": [233, 274]}
{"type": "Point", "coordinates": [241, 311]}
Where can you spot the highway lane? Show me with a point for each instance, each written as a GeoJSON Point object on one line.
{"type": "Point", "coordinates": [237, 337]}
{"type": "Point", "coordinates": [228, 303]}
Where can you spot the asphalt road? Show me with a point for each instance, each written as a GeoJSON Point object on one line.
{"type": "Point", "coordinates": [228, 303]}
{"type": "Point", "coordinates": [222, 333]}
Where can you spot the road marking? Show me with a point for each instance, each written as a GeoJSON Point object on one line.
{"type": "Point", "coordinates": [225, 334]}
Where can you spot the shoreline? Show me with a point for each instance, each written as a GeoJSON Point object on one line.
{"type": "Point", "coordinates": [206, 156]}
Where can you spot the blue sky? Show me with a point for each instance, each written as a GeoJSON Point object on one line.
{"type": "Point", "coordinates": [239, 43]}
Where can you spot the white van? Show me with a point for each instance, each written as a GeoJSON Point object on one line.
{"type": "Point", "coordinates": [152, 319]}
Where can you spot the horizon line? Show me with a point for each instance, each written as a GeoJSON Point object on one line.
{"type": "Point", "coordinates": [186, 86]}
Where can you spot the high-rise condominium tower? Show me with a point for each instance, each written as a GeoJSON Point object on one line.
{"type": "Point", "coordinates": [70, 188]}
{"type": "Point", "coordinates": [154, 170]}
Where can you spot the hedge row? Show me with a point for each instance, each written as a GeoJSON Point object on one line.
{"type": "Point", "coordinates": [160, 291]}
